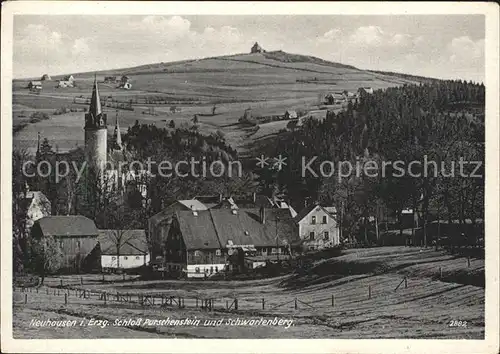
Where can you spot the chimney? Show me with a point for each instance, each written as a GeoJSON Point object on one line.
{"type": "Point", "coordinates": [262, 212]}
{"type": "Point", "coordinates": [254, 196]}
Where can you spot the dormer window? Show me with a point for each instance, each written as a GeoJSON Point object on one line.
{"type": "Point", "coordinates": [313, 220]}
{"type": "Point", "coordinates": [325, 219]}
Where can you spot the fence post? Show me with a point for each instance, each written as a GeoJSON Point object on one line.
{"type": "Point", "coordinates": [47, 291]}
{"type": "Point", "coordinates": [333, 300]}
{"type": "Point", "coordinates": [124, 276]}
{"type": "Point", "coordinates": [406, 282]}
{"type": "Point", "coordinates": [263, 303]}
{"type": "Point", "coordinates": [440, 272]}
{"type": "Point", "coordinates": [81, 280]}
{"type": "Point", "coordinates": [179, 300]}
{"type": "Point", "coordinates": [104, 296]}
{"type": "Point", "coordinates": [103, 277]}
{"type": "Point", "coordinates": [235, 304]}
{"type": "Point", "coordinates": [65, 299]}
{"type": "Point", "coordinates": [295, 303]}
{"type": "Point", "coordinates": [468, 261]}
{"type": "Point", "coordinates": [369, 291]}
{"type": "Point", "coordinates": [196, 302]}
{"type": "Point", "coordinates": [25, 298]}
{"type": "Point", "coordinates": [61, 283]}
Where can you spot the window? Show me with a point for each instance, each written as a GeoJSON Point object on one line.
{"type": "Point", "coordinates": [113, 258]}
{"type": "Point", "coordinates": [197, 269]}
{"type": "Point", "coordinates": [216, 269]}
{"type": "Point", "coordinates": [326, 236]}
{"type": "Point", "coordinates": [125, 257]}
{"type": "Point", "coordinates": [273, 250]}
{"type": "Point", "coordinates": [311, 236]}
{"type": "Point", "coordinates": [325, 219]}
{"type": "Point", "coordinates": [313, 220]}
{"type": "Point", "coordinates": [137, 257]}
{"type": "Point", "coordinates": [61, 244]}
{"type": "Point", "coordinates": [218, 252]}
{"type": "Point", "coordinates": [78, 244]}
{"type": "Point", "coordinates": [211, 270]}
{"type": "Point", "coordinates": [197, 253]}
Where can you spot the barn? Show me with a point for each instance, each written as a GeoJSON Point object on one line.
{"type": "Point", "coordinates": [76, 235]}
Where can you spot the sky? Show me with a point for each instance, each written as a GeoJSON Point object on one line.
{"type": "Point", "coordinates": [441, 46]}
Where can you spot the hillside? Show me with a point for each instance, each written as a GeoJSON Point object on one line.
{"type": "Point", "coordinates": [268, 83]}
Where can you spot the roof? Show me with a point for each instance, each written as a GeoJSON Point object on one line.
{"type": "Point", "coordinates": [37, 83]}
{"type": "Point", "coordinates": [198, 231]}
{"type": "Point", "coordinates": [291, 112]}
{"type": "Point", "coordinates": [193, 204]}
{"type": "Point", "coordinates": [68, 226]}
{"type": "Point", "coordinates": [214, 228]}
{"type": "Point", "coordinates": [304, 212]}
{"type": "Point", "coordinates": [133, 242]}
{"type": "Point", "coordinates": [95, 102]}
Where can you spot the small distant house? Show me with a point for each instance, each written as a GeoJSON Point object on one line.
{"type": "Point", "coordinates": [69, 78]}
{"type": "Point", "coordinates": [318, 227]}
{"type": "Point", "coordinates": [335, 98]}
{"type": "Point", "coordinates": [126, 86]}
{"type": "Point", "coordinates": [368, 90]}
{"type": "Point", "coordinates": [132, 253]}
{"type": "Point", "coordinates": [35, 85]}
{"type": "Point", "coordinates": [124, 79]}
{"type": "Point", "coordinates": [256, 48]}
{"type": "Point", "coordinates": [290, 114]}
{"type": "Point", "coordinates": [76, 235]}
{"type": "Point", "coordinates": [45, 77]}
{"type": "Point", "coordinates": [65, 83]}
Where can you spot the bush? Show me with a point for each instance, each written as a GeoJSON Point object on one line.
{"type": "Point", "coordinates": [38, 116]}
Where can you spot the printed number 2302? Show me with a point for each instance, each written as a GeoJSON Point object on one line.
{"type": "Point", "coordinates": [455, 323]}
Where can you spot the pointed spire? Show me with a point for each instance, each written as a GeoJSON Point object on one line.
{"type": "Point", "coordinates": [38, 144]}
{"type": "Point", "coordinates": [95, 102]}
{"type": "Point", "coordinates": [117, 134]}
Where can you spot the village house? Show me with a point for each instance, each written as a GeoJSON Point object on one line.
{"type": "Point", "coordinates": [67, 81]}
{"type": "Point", "coordinates": [36, 206]}
{"type": "Point", "coordinates": [76, 236]}
{"type": "Point", "coordinates": [35, 85]}
{"type": "Point", "coordinates": [110, 79]}
{"type": "Point", "coordinates": [290, 114]}
{"type": "Point", "coordinates": [159, 224]}
{"type": "Point", "coordinates": [317, 227]}
{"type": "Point", "coordinates": [200, 243]}
{"type": "Point", "coordinates": [45, 77]}
{"type": "Point", "coordinates": [133, 251]}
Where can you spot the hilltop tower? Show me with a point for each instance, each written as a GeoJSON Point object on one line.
{"type": "Point", "coordinates": [96, 132]}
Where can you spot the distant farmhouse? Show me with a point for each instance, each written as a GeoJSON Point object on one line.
{"type": "Point", "coordinates": [335, 98]}
{"type": "Point", "coordinates": [256, 48]}
{"type": "Point", "coordinates": [290, 114]}
{"type": "Point", "coordinates": [67, 81]}
{"type": "Point", "coordinates": [36, 206]}
{"type": "Point", "coordinates": [76, 235]}
{"type": "Point", "coordinates": [35, 85]}
{"type": "Point", "coordinates": [45, 77]}
{"type": "Point", "coordinates": [133, 250]}
{"type": "Point", "coordinates": [125, 83]}
{"type": "Point", "coordinates": [110, 79]}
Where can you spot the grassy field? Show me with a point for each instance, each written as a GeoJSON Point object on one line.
{"type": "Point", "coordinates": [267, 83]}
{"type": "Point", "coordinates": [362, 282]}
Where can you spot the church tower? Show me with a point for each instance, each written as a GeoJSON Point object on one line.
{"type": "Point", "coordinates": [96, 133]}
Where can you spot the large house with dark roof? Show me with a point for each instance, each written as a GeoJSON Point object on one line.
{"type": "Point", "coordinates": [132, 253]}
{"type": "Point", "coordinates": [75, 234]}
{"type": "Point", "coordinates": [200, 243]}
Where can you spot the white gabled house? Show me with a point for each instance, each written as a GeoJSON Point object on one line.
{"type": "Point", "coordinates": [133, 252]}
{"type": "Point", "coordinates": [318, 227]}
